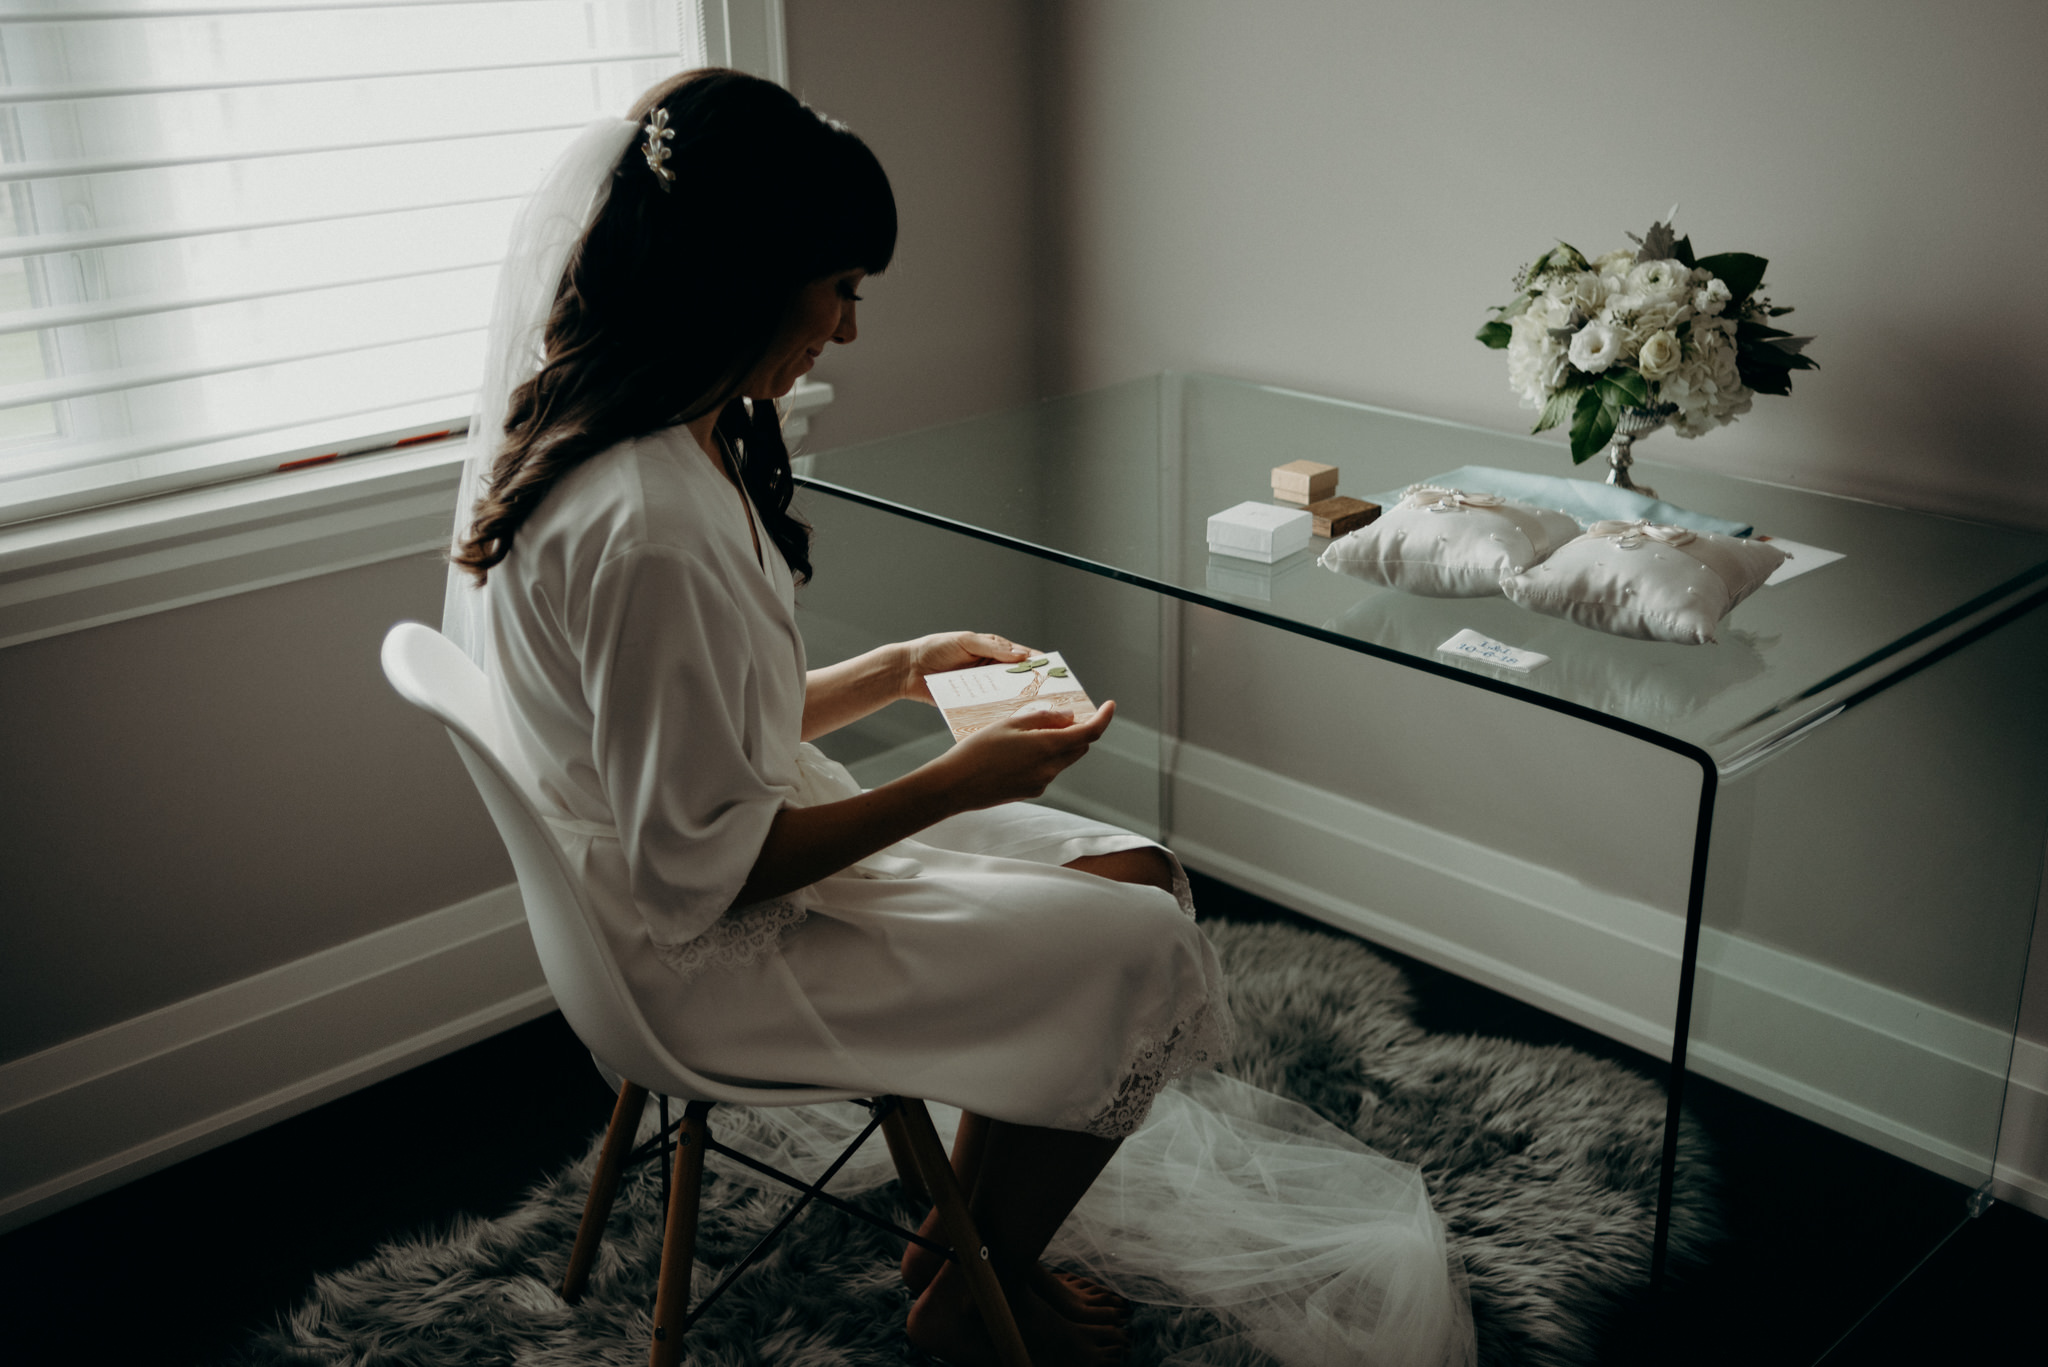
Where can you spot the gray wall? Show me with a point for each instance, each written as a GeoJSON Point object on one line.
{"type": "Point", "coordinates": [197, 795]}
{"type": "Point", "coordinates": [943, 93]}
{"type": "Point", "coordinates": [1330, 194]}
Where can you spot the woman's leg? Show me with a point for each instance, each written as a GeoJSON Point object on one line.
{"type": "Point", "coordinates": [1022, 1183]}
{"type": "Point", "coordinates": [1073, 1296]}
{"type": "Point", "coordinates": [920, 1264]}
{"type": "Point", "coordinates": [1030, 1180]}
{"type": "Point", "coordinates": [1146, 865]}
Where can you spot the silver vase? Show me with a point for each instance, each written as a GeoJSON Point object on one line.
{"type": "Point", "coordinates": [1633, 423]}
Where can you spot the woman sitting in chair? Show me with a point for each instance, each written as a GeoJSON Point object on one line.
{"type": "Point", "coordinates": [937, 937]}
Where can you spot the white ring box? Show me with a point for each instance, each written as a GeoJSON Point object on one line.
{"type": "Point", "coordinates": [1260, 531]}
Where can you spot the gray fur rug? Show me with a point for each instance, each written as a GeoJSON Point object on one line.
{"type": "Point", "coordinates": [1541, 1161]}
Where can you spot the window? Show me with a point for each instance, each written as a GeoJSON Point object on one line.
{"type": "Point", "coordinates": [236, 237]}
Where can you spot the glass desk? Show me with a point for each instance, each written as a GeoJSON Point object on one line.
{"type": "Point", "coordinates": [1929, 627]}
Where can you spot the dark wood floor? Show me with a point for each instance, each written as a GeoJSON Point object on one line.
{"type": "Point", "coordinates": [174, 1268]}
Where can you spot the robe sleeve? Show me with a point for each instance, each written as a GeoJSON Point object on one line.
{"type": "Point", "coordinates": [669, 679]}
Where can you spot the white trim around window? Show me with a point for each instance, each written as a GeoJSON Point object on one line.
{"type": "Point", "coordinates": [78, 569]}
{"type": "Point", "coordinates": [90, 568]}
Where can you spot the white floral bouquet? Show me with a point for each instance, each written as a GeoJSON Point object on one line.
{"type": "Point", "coordinates": [1655, 329]}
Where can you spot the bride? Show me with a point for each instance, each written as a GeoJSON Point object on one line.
{"type": "Point", "coordinates": [625, 570]}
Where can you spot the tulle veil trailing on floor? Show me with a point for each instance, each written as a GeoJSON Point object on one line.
{"type": "Point", "coordinates": [1313, 1250]}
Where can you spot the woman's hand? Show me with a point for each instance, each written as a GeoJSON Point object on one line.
{"type": "Point", "coordinates": [947, 650]}
{"type": "Point", "coordinates": [1007, 762]}
{"type": "Point", "coordinates": [1015, 759]}
{"type": "Point", "coordinates": [837, 695]}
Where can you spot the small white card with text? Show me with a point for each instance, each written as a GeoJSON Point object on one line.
{"type": "Point", "coordinates": [1472, 645]}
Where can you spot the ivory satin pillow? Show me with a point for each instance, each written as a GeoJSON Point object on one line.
{"type": "Point", "coordinates": [1654, 583]}
{"type": "Point", "coordinates": [1446, 543]}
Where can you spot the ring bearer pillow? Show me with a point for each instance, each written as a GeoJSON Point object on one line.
{"type": "Point", "coordinates": [1446, 543]}
{"type": "Point", "coordinates": [1656, 583]}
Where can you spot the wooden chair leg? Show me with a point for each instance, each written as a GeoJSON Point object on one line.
{"type": "Point", "coordinates": [906, 1162]}
{"type": "Point", "coordinates": [679, 1240]}
{"type": "Point", "coordinates": [913, 1123]}
{"type": "Point", "coordinates": [604, 1189]}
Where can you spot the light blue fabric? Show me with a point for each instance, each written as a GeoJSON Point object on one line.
{"type": "Point", "coordinates": [1584, 499]}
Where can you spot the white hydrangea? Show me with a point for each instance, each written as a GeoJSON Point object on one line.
{"type": "Point", "coordinates": [1534, 356]}
{"type": "Point", "coordinates": [1706, 386]}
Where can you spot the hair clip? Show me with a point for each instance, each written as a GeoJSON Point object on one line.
{"type": "Point", "coordinates": [659, 135]}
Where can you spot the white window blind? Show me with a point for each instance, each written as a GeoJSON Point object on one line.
{"type": "Point", "coordinates": [239, 237]}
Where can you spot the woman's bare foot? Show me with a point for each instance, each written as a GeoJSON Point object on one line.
{"type": "Point", "coordinates": [1080, 1299]}
{"type": "Point", "coordinates": [945, 1324]}
{"type": "Point", "coordinates": [1070, 1294]}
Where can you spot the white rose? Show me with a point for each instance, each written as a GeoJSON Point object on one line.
{"type": "Point", "coordinates": [1548, 311]}
{"type": "Point", "coordinates": [1711, 297]}
{"type": "Point", "coordinates": [1660, 355]}
{"type": "Point", "coordinates": [1615, 263]}
{"type": "Point", "coordinates": [1597, 347]}
{"type": "Point", "coordinates": [1642, 315]}
{"type": "Point", "coordinates": [1660, 281]}
{"type": "Point", "coordinates": [1582, 290]}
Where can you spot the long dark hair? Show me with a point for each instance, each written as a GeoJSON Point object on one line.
{"type": "Point", "coordinates": [673, 295]}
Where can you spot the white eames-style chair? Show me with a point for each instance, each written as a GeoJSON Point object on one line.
{"type": "Point", "coordinates": [433, 674]}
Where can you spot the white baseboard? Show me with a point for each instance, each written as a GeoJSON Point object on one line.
{"type": "Point", "coordinates": [1921, 1083]}
{"type": "Point", "coordinates": [103, 1109]}
{"type": "Point", "coordinates": [2022, 1175]}
{"type": "Point", "coordinates": [1882, 1067]}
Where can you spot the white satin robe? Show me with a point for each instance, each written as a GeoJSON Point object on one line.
{"type": "Point", "coordinates": [653, 677]}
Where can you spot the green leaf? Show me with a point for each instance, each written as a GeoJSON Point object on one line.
{"type": "Point", "coordinates": [1764, 379]}
{"type": "Point", "coordinates": [1739, 271]}
{"type": "Point", "coordinates": [1496, 334]}
{"type": "Point", "coordinates": [1682, 249]}
{"type": "Point", "coordinates": [1748, 330]}
{"type": "Point", "coordinates": [1780, 312]}
{"type": "Point", "coordinates": [1520, 306]}
{"type": "Point", "coordinates": [1624, 389]}
{"type": "Point", "coordinates": [1592, 426]}
{"type": "Point", "coordinates": [1768, 355]}
{"type": "Point", "coordinates": [1556, 409]}
{"type": "Point", "coordinates": [1563, 257]}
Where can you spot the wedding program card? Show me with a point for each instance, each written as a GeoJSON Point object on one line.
{"type": "Point", "coordinates": [970, 699]}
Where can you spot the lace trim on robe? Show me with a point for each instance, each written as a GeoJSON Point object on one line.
{"type": "Point", "coordinates": [738, 938]}
{"type": "Point", "coordinates": [1199, 1040]}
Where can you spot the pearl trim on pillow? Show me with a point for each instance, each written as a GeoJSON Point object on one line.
{"type": "Point", "coordinates": [1446, 543]}
{"type": "Point", "coordinates": [1655, 583]}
